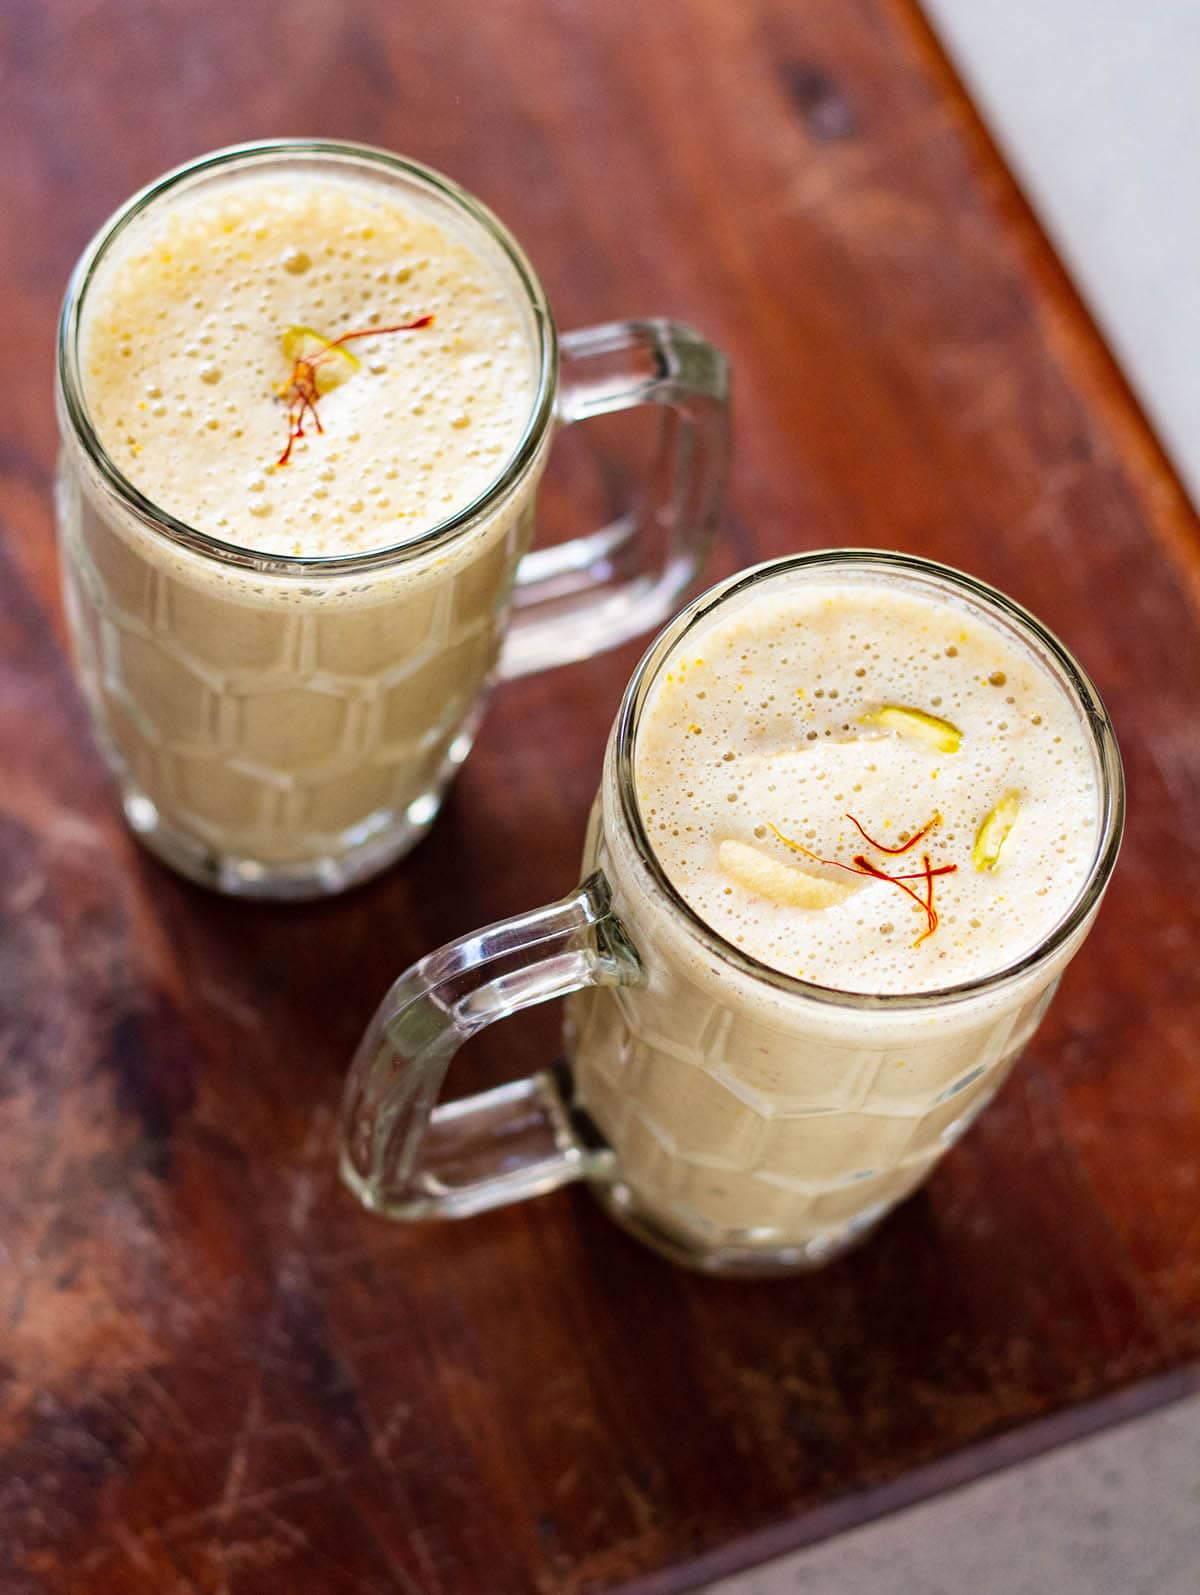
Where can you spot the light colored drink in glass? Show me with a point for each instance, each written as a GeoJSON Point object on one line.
{"type": "Point", "coordinates": [856, 816]}
{"type": "Point", "coordinates": [307, 396]}
{"type": "Point", "coordinates": [263, 718]}
{"type": "Point", "coordinates": [800, 760]}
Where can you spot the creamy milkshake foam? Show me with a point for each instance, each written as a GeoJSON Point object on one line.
{"type": "Point", "coordinates": [736, 1105]}
{"type": "Point", "coordinates": [271, 717]}
{"type": "Point", "coordinates": [184, 350]}
{"type": "Point", "coordinates": [805, 712]}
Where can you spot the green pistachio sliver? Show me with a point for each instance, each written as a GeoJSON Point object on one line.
{"type": "Point", "coordinates": [337, 362]}
{"type": "Point", "coordinates": [994, 831]}
{"type": "Point", "coordinates": [942, 736]}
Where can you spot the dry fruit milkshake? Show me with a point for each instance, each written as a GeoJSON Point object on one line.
{"type": "Point", "coordinates": [863, 779]}
{"type": "Point", "coordinates": [301, 364]}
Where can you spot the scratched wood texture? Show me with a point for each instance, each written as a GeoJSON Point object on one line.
{"type": "Point", "coordinates": [216, 1374]}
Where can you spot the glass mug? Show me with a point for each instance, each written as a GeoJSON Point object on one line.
{"type": "Point", "coordinates": [284, 727]}
{"type": "Point", "coordinates": [735, 1118]}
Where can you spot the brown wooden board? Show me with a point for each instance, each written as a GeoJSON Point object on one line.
{"type": "Point", "coordinates": [219, 1375]}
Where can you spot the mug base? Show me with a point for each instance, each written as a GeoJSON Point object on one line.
{"type": "Point", "coordinates": [364, 852]}
{"type": "Point", "coordinates": [728, 1255]}
{"type": "Point", "coordinates": [237, 876]}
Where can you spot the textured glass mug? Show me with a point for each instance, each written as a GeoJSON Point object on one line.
{"type": "Point", "coordinates": [735, 1118]}
{"type": "Point", "coordinates": [284, 727]}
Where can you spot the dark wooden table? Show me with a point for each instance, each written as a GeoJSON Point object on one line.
{"type": "Point", "coordinates": [217, 1374]}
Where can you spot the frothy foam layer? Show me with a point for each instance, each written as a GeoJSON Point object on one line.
{"type": "Point", "coordinates": [758, 741]}
{"type": "Point", "coordinates": [182, 358]}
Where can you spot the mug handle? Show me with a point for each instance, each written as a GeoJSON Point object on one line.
{"type": "Point", "coordinates": [578, 598]}
{"type": "Point", "coordinates": [406, 1158]}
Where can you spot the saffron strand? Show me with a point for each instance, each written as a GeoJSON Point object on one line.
{"type": "Point", "coordinates": [882, 875]}
{"type": "Point", "coordinates": [863, 866]}
{"type": "Point", "coordinates": [379, 332]}
{"type": "Point", "coordinates": [882, 848]}
{"type": "Point", "coordinates": [301, 390]}
{"type": "Point", "coordinates": [929, 908]}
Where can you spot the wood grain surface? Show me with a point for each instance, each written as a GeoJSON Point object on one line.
{"type": "Point", "coordinates": [216, 1374]}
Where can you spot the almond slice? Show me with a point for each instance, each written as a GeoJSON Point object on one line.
{"type": "Point", "coordinates": [336, 363]}
{"type": "Point", "coordinates": [993, 831]}
{"type": "Point", "coordinates": [943, 736]}
{"type": "Point", "coordinates": [780, 883]}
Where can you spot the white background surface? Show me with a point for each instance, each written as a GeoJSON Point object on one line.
{"type": "Point", "coordinates": [1118, 1514]}
{"type": "Point", "coordinates": [1096, 105]}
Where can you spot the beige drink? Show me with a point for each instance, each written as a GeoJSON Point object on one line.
{"type": "Point", "coordinates": [306, 392]}
{"type": "Point", "coordinates": [256, 716]}
{"type": "Point", "coordinates": [857, 813]}
{"type": "Point", "coordinates": [742, 1110]}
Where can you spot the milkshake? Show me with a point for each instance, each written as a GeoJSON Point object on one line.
{"type": "Point", "coordinates": [312, 368]}
{"type": "Point", "coordinates": [857, 814]}
{"type": "Point", "coordinates": [859, 798]}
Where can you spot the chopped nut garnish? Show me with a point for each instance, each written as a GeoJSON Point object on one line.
{"type": "Point", "coordinates": [994, 830]}
{"type": "Point", "coordinates": [778, 881]}
{"type": "Point", "coordinates": [940, 735]}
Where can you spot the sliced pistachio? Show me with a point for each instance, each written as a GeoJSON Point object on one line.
{"type": "Point", "coordinates": [778, 881]}
{"type": "Point", "coordinates": [943, 736]}
{"type": "Point", "coordinates": [337, 363]}
{"type": "Point", "coordinates": [993, 831]}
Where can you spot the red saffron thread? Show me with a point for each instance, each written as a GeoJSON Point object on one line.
{"type": "Point", "coordinates": [882, 875]}
{"type": "Point", "coordinates": [863, 866]}
{"type": "Point", "coordinates": [912, 841]}
{"type": "Point", "coordinates": [836, 863]}
{"type": "Point", "coordinates": [921, 875]}
{"type": "Point", "coordinates": [929, 908]}
{"type": "Point", "coordinates": [300, 389]}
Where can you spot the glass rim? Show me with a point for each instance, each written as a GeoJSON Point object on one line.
{"type": "Point", "coordinates": [1108, 758]}
{"type": "Point", "coordinates": [349, 154]}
